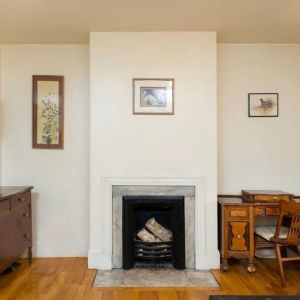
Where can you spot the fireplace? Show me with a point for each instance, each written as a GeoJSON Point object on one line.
{"type": "Point", "coordinates": [168, 211]}
{"type": "Point", "coordinates": [106, 249]}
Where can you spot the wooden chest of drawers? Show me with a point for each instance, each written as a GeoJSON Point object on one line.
{"type": "Point", "coordinates": [15, 224]}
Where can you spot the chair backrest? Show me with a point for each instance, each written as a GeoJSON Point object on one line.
{"type": "Point", "coordinates": [292, 211]}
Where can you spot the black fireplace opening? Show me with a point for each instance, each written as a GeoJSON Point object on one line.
{"type": "Point", "coordinates": [167, 211]}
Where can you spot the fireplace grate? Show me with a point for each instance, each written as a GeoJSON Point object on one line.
{"type": "Point", "coordinates": [153, 251]}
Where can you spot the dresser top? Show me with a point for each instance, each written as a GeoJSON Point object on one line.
{"type": "Point", "coordinates": [7, 191]}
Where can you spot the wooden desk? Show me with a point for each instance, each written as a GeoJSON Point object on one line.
{"type": "Point", "coordinates": [236, 228]}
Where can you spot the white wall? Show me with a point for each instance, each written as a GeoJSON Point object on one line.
{"type": "Point", "coordinates": [258, 153]}
{"type": "Point", "coordinates": [1, 117]}
{"type": "Point", "coordinates": [60, 177]}
{"type": "Point", "coordinates": [123, 144]}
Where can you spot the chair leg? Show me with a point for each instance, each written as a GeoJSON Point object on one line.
{"type": "Point", "coordinates": [278, 254]}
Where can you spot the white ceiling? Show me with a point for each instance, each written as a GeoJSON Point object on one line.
{"type": "Point", "coordinates": [70, 21]}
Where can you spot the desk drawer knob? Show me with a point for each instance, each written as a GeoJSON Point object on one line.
{"type": "Point", "coordinates": [26, 235]}
{"type": "Point", "coordinates": [238, 236]}
{"type": "Point", "coordinates": [25, 215]}
{"type": "Point", "coordinates": [21, 199]}
{"type": "Point", "coordinates": [275, 198]}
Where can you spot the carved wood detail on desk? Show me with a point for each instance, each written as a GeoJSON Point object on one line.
{"type": "Point", "coordinates": [238, 241]}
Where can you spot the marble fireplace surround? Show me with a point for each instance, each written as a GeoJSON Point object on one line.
{"type": "Point", "coordinates": [100, 255]}
{"type": "Point", "coordinates": [188, 192]}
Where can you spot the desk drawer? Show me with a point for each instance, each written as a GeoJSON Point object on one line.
{"type": "Point", "coordinates": [259, 211]}
{"type": "Point", "coordinates": [271, 198]}
{"type": "Point", "coordinates": [20, 199]}
{"type": "Point", "coordinates": [238, 213]}
{"type": "Point", "coordinates": [272, 211]}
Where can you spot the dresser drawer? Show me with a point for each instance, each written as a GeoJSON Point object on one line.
{"type": "Point", "coordinates": [20, 199]}
{"type": "Point", "coordinates": [11, 249]}
{"type": "Point", "coordinates": [4, 207]}
{"type": "Point", "coordinates": [20, 217]}
{"type": "Point", "coordinates": [238, 213]}
{"type": "Point", "coordinates": [14, 221]}
{"type": "Point", "coordinates": [5, 228]}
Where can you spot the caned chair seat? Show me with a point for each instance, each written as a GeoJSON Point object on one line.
{"type": "Point", "coordinates": [267, 232]}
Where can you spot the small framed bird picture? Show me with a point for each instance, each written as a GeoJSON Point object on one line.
{"type": "Point", "coordinates": [263, 105]}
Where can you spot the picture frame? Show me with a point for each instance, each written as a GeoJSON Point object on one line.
{"type": "Point", "coordinates": [153, 96]}
{"type": "Point", "coordinates": [47, 112]}
{"type": "Point", "coordinates": [263, 105]}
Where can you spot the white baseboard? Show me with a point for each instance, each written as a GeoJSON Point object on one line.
{"type": "Point", "coordinates": [60, 248]}
{"type": "Point", "coordinates": [208, 261]}
{"type": "Point", "coordinates": [97, 260]}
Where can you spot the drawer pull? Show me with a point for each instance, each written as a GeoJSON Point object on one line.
{"type": "Point", "coordinates": [21, 199]}
{"type": "Point", "coordinates": [238, 213]}
{"type": "Point", "coordinates": [25, 215]}
{"type": "Point", "coordinates": [238, 236]}
{"type": "Point", "coordinates": [26, 235]}
{"type": "Point", "coordinates": [275, 198]}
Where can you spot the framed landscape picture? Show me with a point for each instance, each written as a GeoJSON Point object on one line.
{"type": "Point", "coordinates": [153, 96]}
{"type": "Point", "coordinates": [263, 105]}
{"type": "Point", "coordinates": [47, 112]}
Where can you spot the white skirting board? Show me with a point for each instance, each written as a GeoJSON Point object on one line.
{"type": "Point", "coordinates": [60, 248]}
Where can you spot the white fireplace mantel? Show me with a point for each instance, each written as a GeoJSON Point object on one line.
{"type": "Point", "coordinates": [100, 253]}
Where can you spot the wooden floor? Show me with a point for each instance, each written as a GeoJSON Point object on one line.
{"type": "Point", "coordinates": [69, 278]}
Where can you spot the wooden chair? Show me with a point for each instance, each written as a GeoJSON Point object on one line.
{"type": "Point", "coordinates": [285, 234]}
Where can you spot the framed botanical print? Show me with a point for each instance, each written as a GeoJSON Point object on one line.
{"type": "Point", "coordinates": [153, 96]}
{"type": "Point", "coordinates": [47, 112]}
{"type": "Point", "coordinates": [263, 105]}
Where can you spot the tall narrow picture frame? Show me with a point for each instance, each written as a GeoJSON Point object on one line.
{"type": "Point", "coordinates": [153, 96]}
{"type": "Point", "coordinates": [47, 112]}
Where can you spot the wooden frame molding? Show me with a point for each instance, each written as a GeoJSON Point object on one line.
{"type": "Point", "coordinates": [57, 113]}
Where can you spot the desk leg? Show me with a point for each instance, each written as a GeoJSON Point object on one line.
{"type": "Point", "coordinates": [251, 268]}
{"type": "Point", "coordinates": [225, 265]}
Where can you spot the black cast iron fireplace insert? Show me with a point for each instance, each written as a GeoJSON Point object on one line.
{"type": "Point", "coordinates": [169, 212]}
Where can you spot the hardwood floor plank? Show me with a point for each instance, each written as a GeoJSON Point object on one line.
{"type": "Point", "coordinates": [69, 278]}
